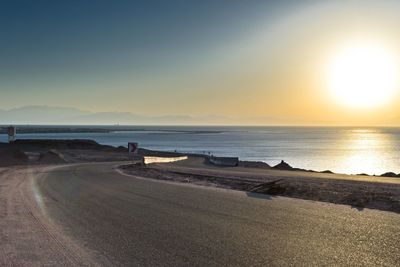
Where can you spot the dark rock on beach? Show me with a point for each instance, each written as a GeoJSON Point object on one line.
{"type": "Point", "coordinates": [389, 174]}
{"type": "Point", "coordinates": [283, 166]}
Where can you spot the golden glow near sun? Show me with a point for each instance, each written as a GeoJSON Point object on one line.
{"type": "Point", "coordinates": [362, 75]}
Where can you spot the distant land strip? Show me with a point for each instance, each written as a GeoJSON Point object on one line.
{"type": "Point", "coordinates": [96, 129]}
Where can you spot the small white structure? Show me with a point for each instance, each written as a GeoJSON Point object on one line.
{"type": "Point", "coordinates": [149, 160]}
{"type": "Point", "coordinates": [12, 132]}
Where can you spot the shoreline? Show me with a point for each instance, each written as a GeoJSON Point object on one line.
{"type": "Point", "coordinates": [380, 165]}
{"type": "Point", "coordinates": [283, 165]}
{"type": "Point", "coordinates": [377, 192]}
{"type": "Point", "coordinates": [89, 144]}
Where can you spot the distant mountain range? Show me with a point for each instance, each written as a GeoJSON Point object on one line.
{"type": "Point", "coordinates": [65, 115]}
{"type": "Point", "coordinates": [49, 115]}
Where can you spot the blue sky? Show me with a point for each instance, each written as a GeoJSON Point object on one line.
{"type": "Point", "coordinates": [50, 47]}
{"type": "Point", "coordinates": [51, 40]}
{"type": "Point", "coordinates": [197, 58]}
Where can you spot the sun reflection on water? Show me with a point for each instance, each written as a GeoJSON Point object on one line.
{"type": "Point", "coordinates": [365, 151]}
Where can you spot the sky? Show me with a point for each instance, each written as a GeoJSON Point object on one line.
{"type": "Point", "coordinates": [262, 62]}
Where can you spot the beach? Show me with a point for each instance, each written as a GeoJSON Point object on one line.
{"type": "Point", "coordinates": [72, 202]}
{"type": "Point", "coordinates": [358, 191]}
{"type": "Point", "coordinates": [348, 150]}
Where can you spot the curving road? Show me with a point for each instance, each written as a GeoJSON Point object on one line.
{"type": "Point", "coordinates": [90, 214]}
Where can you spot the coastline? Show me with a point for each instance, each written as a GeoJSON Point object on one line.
{"type": "Point", "coordinates": [358, 191]}
{"type": "Point", "coordinates": [44, 145]}
{"type": "Point", "coordinates": [338, 149]}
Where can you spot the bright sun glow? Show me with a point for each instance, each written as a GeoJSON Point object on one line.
{"type": "Point", "coordinates": [362, 75]}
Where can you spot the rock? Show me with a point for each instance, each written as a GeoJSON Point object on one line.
{"type": "Point", "coordinates": [283, 166]}
{"type": "Point", "coordinates": [327, 171]}
{"type": "Point", "coordinates": [389, 174]}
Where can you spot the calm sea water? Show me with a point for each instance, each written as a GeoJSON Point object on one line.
{"type": "Point", "coordinates": [342, 150]}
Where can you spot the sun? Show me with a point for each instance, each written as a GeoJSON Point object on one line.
{"type": "Point", "coordinates": [362, 75]}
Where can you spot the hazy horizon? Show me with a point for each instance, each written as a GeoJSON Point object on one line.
{"type": "Point", "coordinates": [50, 115]}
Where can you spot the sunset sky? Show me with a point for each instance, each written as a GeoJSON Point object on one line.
{"type": "Point", "coordinates": [263, 62]}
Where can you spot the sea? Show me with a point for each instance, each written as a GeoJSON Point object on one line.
{"type": "Point", "coordinates": [350, 150]}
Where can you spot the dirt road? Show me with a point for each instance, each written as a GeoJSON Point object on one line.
{"type": "Point", "coordinates": [28, 237]}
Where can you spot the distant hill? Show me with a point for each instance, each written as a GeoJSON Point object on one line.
{"type": "Point", "coordinates": [39, 115]}
{"type": "Point", "coordinates": [66, 115]}
{"type": "Point", "coordinates": [48, 115]}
